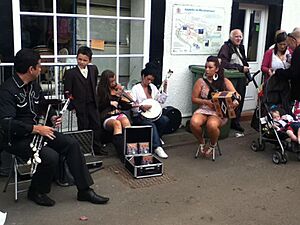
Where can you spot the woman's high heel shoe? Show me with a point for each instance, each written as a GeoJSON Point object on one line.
{"type": "Point", "coordinates": [202, 149]}
{"type": "Point", "coordinates": [210, 150]}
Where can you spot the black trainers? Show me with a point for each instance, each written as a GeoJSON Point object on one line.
{"type": "Point", "coordinates": [237, 127]}
{"type": "Point", "coordinates": [40, 199]}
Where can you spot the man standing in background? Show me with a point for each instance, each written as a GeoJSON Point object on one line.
{"type": "Point", "coordinates": [232, 54]}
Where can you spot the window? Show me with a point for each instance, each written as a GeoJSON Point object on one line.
{"type": "Point", "coordinates": [114, 29]}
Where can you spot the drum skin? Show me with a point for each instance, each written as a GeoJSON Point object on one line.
{"type": "Point", "coordinates": [154, 113]}
{"type": "Point", "coordinates": [175, 118]}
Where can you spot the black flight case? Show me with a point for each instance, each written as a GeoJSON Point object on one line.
{"type": "Point", "coordinates": [139, 158]}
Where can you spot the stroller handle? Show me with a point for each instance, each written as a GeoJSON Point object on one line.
{"type": "Point", "coordinates": [256, 73]}
{"type": "Point", "coordinates": [251, 78]}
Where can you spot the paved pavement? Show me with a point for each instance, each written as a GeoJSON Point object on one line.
{"type": "Point", "coordinates": [241, 187]}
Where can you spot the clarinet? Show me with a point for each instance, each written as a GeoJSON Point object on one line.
{"type": "Point", "coordinates": [65, 107]}
{"type": "Point", "coordinates": [38, 140]}
{"type": "Point", "coordinates": [37, 144]}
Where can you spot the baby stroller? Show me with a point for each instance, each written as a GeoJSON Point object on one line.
{"type": "Point", "coordinates": [275, 93]}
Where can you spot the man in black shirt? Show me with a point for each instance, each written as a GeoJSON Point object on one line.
{"type": "Point", "coordinates": [20, 100]}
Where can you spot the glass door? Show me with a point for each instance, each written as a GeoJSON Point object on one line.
{"type": "Point", "coordinates": [253, 22]}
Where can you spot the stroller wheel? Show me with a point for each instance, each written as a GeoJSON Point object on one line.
{"type": "Point", "coordinates": [298, 156]}
{"type": "Point", "coordinates": [277, 157]}
{"type": "Point", "coordinates": [284, 158]}
{"type": "Point", "coordinates": [254, 146]}
{"type": "Point", "coordinates": [257, 147]}
{"type": "Point", "coordinates": [261, 146]}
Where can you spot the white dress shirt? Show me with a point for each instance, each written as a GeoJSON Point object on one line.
{"type": "Point", "coordinates": [84, 72]}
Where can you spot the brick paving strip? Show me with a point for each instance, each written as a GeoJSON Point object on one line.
{"type": "Point", "coordinates": [125, 177]}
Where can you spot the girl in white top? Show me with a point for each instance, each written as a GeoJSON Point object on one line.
{"type": "Point", "coordinates": [140, 95]}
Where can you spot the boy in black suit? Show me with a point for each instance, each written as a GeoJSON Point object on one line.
{"type": "Point", "coordinates": [80, 83]}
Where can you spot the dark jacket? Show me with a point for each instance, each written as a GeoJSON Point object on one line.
{"type": "Point", "coordinates": [75, 85]}
{"type": "Point", "coordinates": [292, 74]}
{"type": "Point", "coordinates": [226, 52]}
{"type": "Point", "coordinates": [20, 107]}
{"type": "Point", "coordinates": [277, 92]}
{"type": "Point", "coordinates": [107, 110]}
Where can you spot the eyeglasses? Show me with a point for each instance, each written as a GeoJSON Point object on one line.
{"type": "Point", "coordinates": [291, 36]}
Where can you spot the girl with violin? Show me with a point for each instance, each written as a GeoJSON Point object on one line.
{"type": "Point", "coordinates": [112, 100]}
{"type": "Point", "coordinates": [146, 90]}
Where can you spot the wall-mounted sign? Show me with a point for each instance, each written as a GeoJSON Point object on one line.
{"type": "Point", "coordinates": [196, 30]}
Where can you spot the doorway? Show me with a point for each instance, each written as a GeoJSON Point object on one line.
{"type": "Point", "coordinates": [253, 20]}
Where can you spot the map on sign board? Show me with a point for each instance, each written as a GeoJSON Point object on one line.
{"type": "Point", "coordinates": [197, 30]}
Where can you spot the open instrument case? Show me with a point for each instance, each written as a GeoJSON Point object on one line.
{"type": "Point", "coordinates": [139, 158]}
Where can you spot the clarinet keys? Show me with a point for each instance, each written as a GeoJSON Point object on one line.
{"type": "Point", "coordinates": [36, 158]}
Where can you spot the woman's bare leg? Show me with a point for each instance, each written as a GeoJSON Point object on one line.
{"type": "Point", "coordinates": [196, 123]}
{"type": "Point", "coordinates": [115, 125]}
{"type": "Point", "coordinates": [125, 122]}
{"type": "Point", "coordinates": [213, 126]}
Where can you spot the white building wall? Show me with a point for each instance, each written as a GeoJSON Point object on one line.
{"type": "Point", "coordinates": [290, 15]}
{"type": "Point", "coordinates": [181, 82]}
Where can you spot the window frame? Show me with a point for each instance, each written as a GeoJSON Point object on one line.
{"type": "Point", "coordinates": [17, 13]}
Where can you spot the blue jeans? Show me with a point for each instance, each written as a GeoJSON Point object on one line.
{"type": "Point", "coordinates": [158, 127]}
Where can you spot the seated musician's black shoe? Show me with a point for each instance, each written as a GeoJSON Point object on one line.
{"type": "Point", "coordinates": [89, 195]}
{"type": "Point", "coordinates": [237, 127]}
{"type": "Point", "coordinates": [40, 199]}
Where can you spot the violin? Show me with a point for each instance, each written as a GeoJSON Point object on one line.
{"type": "Point", "coordinates": [125, 100]}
